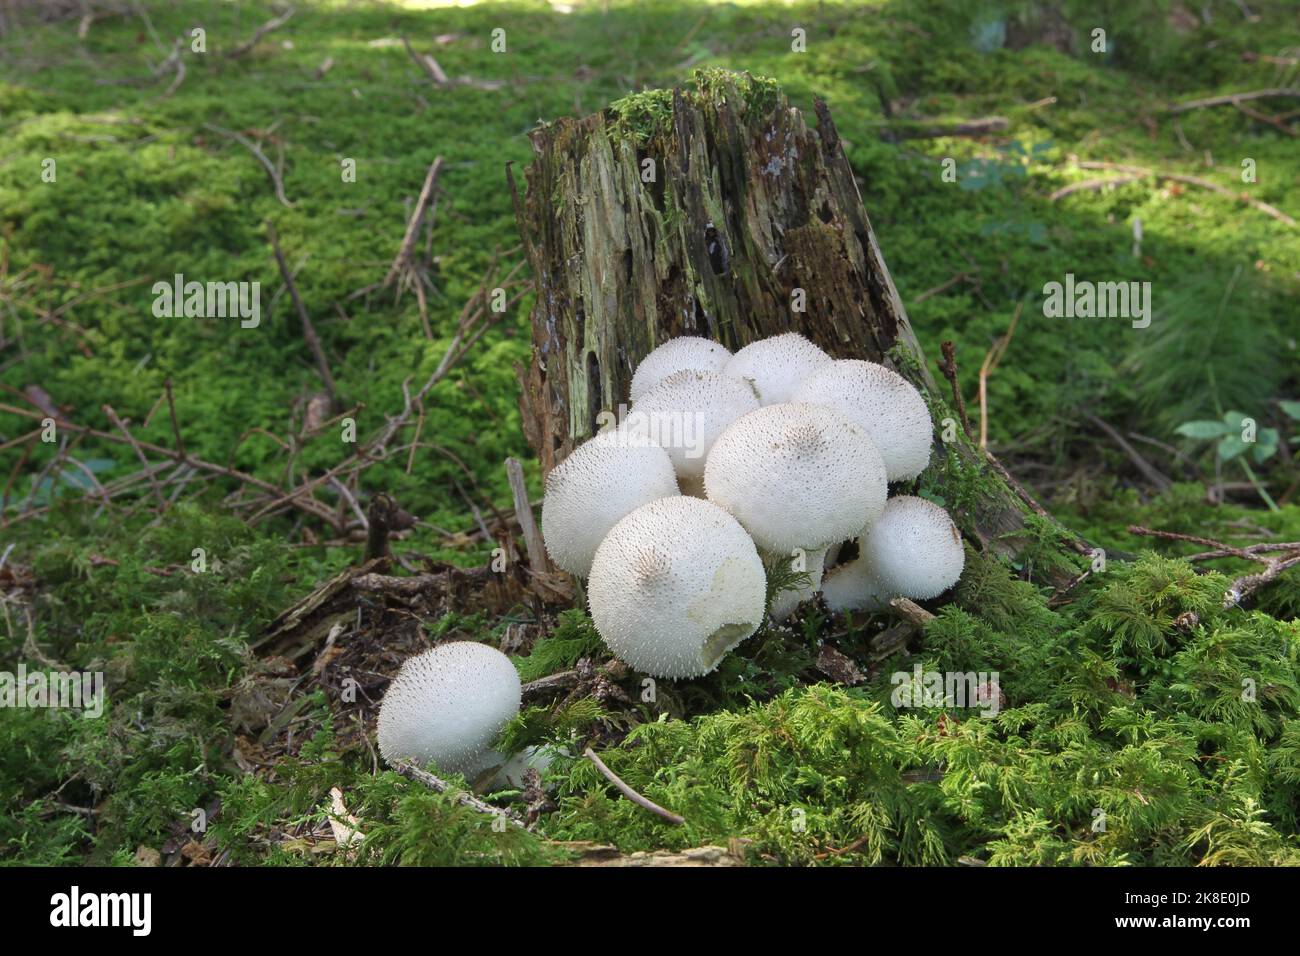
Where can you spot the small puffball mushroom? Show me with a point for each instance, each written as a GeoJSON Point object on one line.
{"type": "Point", "coordinates": [784, 603]}
{"type": "Point", "coordinates": [797, 476]}
{"type": "Point", "coordinates": [683, 352]}
{"type": "Point", "coordinates": [880, 402]}
{"type": "Point", "coordinates": [914, 550]}
{"type": "Point", "coordinates": [675, 586]}
{"type": "Point", "coordinates": [775, 366]}
{"type": "Point", "coordinates": [599, 483]}
{"type": "Point", "coordinates": [447, 705]}
{"type": "Point", "coordinates": [851, 587]}
{"type": "Point", "coordinates": [686, 412]}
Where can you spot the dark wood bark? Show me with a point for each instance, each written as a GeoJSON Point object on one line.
{"type": "Point", "coordinates": [747, 205]}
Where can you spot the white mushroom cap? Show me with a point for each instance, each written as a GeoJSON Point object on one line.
{"type": "Point", "coordinates": [447, 705]}
{"type": "Point", "coordinates": [683, 352]}
{"type": "Point", "coordinates": [784, 602]}
{"type": "Point", "coordinates": [686, 412]}
{"type": "Point", "coordinates": [776, 365]}
{"type": "Point", "coordinates": [797, 476]}
{"type": "Point", "coordinates": [599, 483]}
{"type": "Point", "coordinates": [851, 587]}
{"type": "Point", "coordinates": [914, 550]}
{"type": "Point", "coordinates": [675, 586]}
{"type": "Point", "coordinates": [880, 402]}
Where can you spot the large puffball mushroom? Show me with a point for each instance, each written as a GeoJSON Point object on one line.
{"type": "Point", "coordinates": [686, 412]}
{"type": "Point", "coordinates": [776, 365]}
{"type": "Point", "coordinates": [675, 586]}
{"type": "Point", "coordinates": [797, 476]}
{"type": "Point", "coordinates": [447, 705]}
{"type": "Point", "coordinates": [784, 602]}
{"type": "Point", "coordinates": [683, 352]}
{"type": "Point", "coordinates": [914, 550]}
{"type": "Point", "coordinates": [599, 483]}
{"type": "Point", "coordinates": [851, 587]}
{"type": "Point", "coordinates": [880, 402]}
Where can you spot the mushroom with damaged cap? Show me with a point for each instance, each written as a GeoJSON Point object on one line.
{"type": "Point", "coordinates": [880, 402]}
{"type": "Point", "coordinates": [600, 482]}
{"type": "Point", "coordinates": [775, 366]}
{"type": "Point", "coordinates": [675, 355]}
{"type": "Point", "coordinates": [686, 412]}
{"type": "Point", "coordinates": [675, 586]}
{"type": "Point", "coordinates": [447, 705]}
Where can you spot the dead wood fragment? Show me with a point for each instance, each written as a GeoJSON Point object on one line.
{"type": "Point", "coordinates": [277, 182]}
{"type": "Point", "coordinates": [466, 799]}
{"type": "Point", "coordinates": [631, 794]}
{"type": "Point", "coordinates": [596, 854]}
{"type": "Point", "coordinates": [1232, 99]}
{"type": "Point", "coordinates": [273, 24]}
{"type": "Point", "coordinates": [838, 667]}
{"type": "Point", "coordinates": [537, 560]}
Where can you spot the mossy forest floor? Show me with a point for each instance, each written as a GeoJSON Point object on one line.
{"type": "Point", "coordinates": [1140, 721]}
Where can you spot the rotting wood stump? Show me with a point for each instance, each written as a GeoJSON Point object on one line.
{"type": "Point", "coordinates": [714, 210]}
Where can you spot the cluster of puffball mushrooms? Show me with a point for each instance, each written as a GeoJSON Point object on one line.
{"type": "Point", "coordinates": [776, 451]}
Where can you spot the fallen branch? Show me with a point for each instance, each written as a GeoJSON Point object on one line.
{"type": "Point", "coordinates": [948, 366]}
{"type": "Point", "coordinates": [920, 130]}
{"type": "Point", "coordinates": [439, 785]}
{"type": "Point", "coordinates": [1133, 173]}
{"type": "Point", "coordinates": [276, 182]}
{"type": "Point", "coordinates": [991, 360]}
{"type": "Point", "coordinates": [1232, 99]}
{"type": "Point", "coordinates": [428, 64]}
{"type": "Point", "coordinates": [631, 794]}
{"type": "Point", "coordinates": [1149, 471]}
{"type": "Point", "coordinates": [544, 685]}
{"type": "Point", "coordinates": [273, 24]}
{"type": "Point", "coordinates": [524, 515]}
{"type": "Point", "coordinates": [308, 329]}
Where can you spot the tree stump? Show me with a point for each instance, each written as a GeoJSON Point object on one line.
{"type": "Point", "coordinates": [714, 210]}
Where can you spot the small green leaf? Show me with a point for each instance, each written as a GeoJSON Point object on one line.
{"type": "Point", "coordinates": [1266, 443]}
{"type": "Point", "coordinates": [1230, 446]}
{"type": "Point", "coordinates": [1292, 409]}
{"type": "Point", "coordinates": [1203, 429]}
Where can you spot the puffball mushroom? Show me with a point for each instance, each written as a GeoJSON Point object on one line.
{"type": "Point", "coordinates": [686, 412]}
{"type": "Point", "coordinates": [599, 483]}
{"type": "Point", "coordinates": [851, 587]}
{"type": "Point", "coordinates": [880, 402]}
{"type": "Point", "coordinates": [914, 550]}
{"type": "Point", "coordinates": [797, 476]}
{"type": "Point", "coordinates": [447, 705]}
{"type": "Point", "coordinates": [776, 365]}
{"type": "Point", "coordinates": [675, 586]}
{"type": "Point", "coordinates": [683, 352]}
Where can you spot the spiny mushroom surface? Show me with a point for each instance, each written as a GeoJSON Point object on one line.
{"type": "Point", "coordinates": [675, 586]}
{"type": "Point", "coordinates": [687, 411]}
{"type": "Point", "coordinates": [797, 476]}
{"type": "Point", "coordinates": [683, 352]}
{"type": "Point", "coordinates": [880, 402]}
{"type": "Point", "coordinates": [447, 704]}
{"type": "Point", "coordinates": [914, 550]}
{"type": "Point", "coordinates": [776, 365]}
{"type": "Point", "coordinates": [600, 482]}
